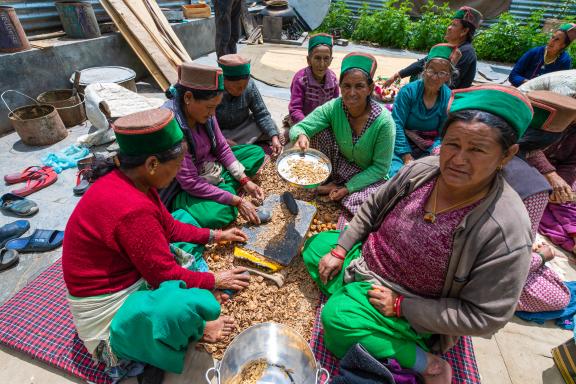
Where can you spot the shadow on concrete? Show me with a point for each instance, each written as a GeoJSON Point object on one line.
{"type": "Point", "coordinates": [19, 146]}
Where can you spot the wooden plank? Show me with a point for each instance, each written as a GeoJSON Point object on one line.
{"type": "Point", "coordinates": [151, 37]}
{"type": "Point", "coordinates": [136, 45]}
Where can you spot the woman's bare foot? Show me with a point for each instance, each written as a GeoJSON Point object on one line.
{"type": "Point", "coordinates": [546, 250]}
{"type": "Point", "coordinates": [438, 371]}
{"type": "Point", "coordinates": [216, 330]}
{"type": "Point", "coordinates": [220, 296]}
{"type": "Point", "coordinates": [326, 188]}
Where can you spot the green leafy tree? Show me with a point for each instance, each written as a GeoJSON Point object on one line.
{"type": "Point", "coordinates": [339, 20]}
{"type": "Point", "coordinates": [430, 28]}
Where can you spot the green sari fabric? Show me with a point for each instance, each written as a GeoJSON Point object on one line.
{"type": "Point", "coordinates": [211, 214]}
{"type": "Point", "coordinates": [349, 318]}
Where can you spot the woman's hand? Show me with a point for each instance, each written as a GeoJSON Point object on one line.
{"type": "Point", "coordinates": [338, 193]}
{"type": "Point", "coordinates": [233, 234]}
{"type": "Point", "coordinates": [276, 146]}
{"type": "Point", "coordinates": [562, 191]}
{"type": "Point", "coordinates": [236, 279]}
{"type": "Point", "coordinates": [254, 190]}
{"type": "Point", "coordinates": [382, 299]}
{"type": "Point", "coordinates": [330, 266]}
{"type": "Point", "coordinates": [303, 142]}
{"type": "Point", "coordinates": [544, 250]}
{"type": "Point", "coordinates": [231, 143]}
{"type": "Point", "coordinates": [246, 209]}
{"type": "Point", "coordinates": [407, 158]}
{"type": "Point", "coordinates": [391, 80]}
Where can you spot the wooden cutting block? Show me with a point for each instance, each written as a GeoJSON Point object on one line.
{"type": "Point", "coordinates": [279, 241]}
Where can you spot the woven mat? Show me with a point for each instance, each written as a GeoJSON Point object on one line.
{"type": "Point", "coordinates": [276, 64]}
{"type": "Point", "coordinates": [38, 322]}
{"type": "Point", "coordinates": [461, 357]}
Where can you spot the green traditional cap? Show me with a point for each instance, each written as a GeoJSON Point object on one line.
{"type": "Point", "coordinates": [445, 51]}
{"type": "Point", "coordinates": [570, 30]}
{"type": "Point", "coordinates": [147, 132]}
{"type": "Point", "coordinates": [470, 15]}
{"type": "Point", "coordinates": [200, 77]}
{"type": "Point", "coordinates": [359, 60]}
{"type": "Point", "coordinates": [505, 102]}
{"type": "Point", "coordinates": [552, 112]}
{"type": "Point", "coordinates": [234, 65]}
{"type": "Point", "coordinates": [320, 39]}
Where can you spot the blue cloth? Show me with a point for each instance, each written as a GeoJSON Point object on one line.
{"type": "Point", "coordinates": [411, 114]}
{"type": "Point", "coordinates": [66, 158]}
{"type": "Point", "coordinates": [531, 65]}
{"type": "Point", "coordinates": [564, 317]}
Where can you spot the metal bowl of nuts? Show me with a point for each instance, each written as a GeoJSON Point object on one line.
{"type": "Point", "coordinates": [268, 353]}
{"type": "Point", "coordinates": [307, 169]}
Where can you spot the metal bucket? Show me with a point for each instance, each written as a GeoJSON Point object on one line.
{"type": "Point", "coordinates": [122, 76]}
{"type": "Point", "coordinates": [37, 125]}
{"type": "Point", "coordinates": [288, 355]}
{"type": "Point", "coordinates": [12, 36]}
{"type": "Point", "coordinates": [78, 19]}
{"type": "Point", "coordinates": [70, 107]}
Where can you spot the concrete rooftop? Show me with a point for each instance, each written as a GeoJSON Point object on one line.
{"type": "Point", "coordinates": [518, 354]}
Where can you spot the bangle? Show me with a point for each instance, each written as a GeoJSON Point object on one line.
{"type": "Point", "coordinates": [337, 255]}
{"type": "Point", "coordinates": [211, 235]}
{"type": "Point", "coordinates": [245, 180]}
{"type": "Point", "coordinates": [218, 236]}
{"type": "Point", "coordinates": [239, 202]}
{"type": "Point", "coordinates": [542, 257]}
{"type": "Point", "coordinates": [397, 305]}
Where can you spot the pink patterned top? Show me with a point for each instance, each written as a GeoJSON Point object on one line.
{"type": "Point", "coordinates": [411, 252]}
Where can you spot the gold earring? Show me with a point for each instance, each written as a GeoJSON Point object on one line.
{"type": "Point", "coordinates": [499, 167]}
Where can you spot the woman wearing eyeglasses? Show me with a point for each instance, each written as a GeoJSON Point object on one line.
{"type": "Point", "coordinates": [420, 107]}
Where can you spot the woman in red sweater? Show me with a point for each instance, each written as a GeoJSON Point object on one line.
{"type": "Point", "coordinates": [116, 248]}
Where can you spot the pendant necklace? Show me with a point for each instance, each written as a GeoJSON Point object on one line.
{"type": "Point", "coordinates": [430, 216]}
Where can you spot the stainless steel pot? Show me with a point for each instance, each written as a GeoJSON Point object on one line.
{"type": "Point", "coordinates": [289, 357]}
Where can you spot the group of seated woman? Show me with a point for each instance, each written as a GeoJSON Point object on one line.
{"type": "Point", "coordinates": [437, 248]}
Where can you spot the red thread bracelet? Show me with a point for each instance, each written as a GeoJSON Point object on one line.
{"type": "Point", "coordinates": [245, 180]}
{"type": "Point", "coordinates": [337, 255]}
{"type": "Point", "coordinates": [397, 305]}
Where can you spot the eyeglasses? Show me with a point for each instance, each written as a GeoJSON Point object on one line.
{"type": "Point", "coordinates": [437, 75]}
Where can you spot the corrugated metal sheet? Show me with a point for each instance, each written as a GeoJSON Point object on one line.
{"type": "Point", "coordinates": [519, 8]}
{"type": "Point", "coordinates": [39, 16]}
{"type": "Point", "coordinates": [523, 8]}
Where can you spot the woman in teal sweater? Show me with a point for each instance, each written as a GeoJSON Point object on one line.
{"type": "Point", "coordinates": [420, 107]}
{"type": "Point", "coordinates": [354, 132]}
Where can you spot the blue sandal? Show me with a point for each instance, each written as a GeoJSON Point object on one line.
{"type": "Point", "coordinates": [13, 230]}
{"type": "Point", "coordinates": [42, 240]}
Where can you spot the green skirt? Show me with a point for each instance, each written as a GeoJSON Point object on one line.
{"type": "Point", "coordinates": [349, 318]}
{"type": "Point", "coordinates": [211, 214]}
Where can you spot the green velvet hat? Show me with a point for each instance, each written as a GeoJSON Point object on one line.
{"type": "Point", "coordinates": [469, 15]}
{"type": "Point", "coordinates": [234, 65]}
{"type": "Point", "coordinates": [359, 60]}
{"type": "Point", "coordinates": [505, 102]}
{"type": "Point", "coordinates": [147, 132]}
{"type": "Point", "coordinates": [200, 77]}
{"type": "Point", "coordinates": [570, 30]}
{"type": "Point", "coordinates": [320, 39]}
{"type": "Point", "coordinates": [445, 51]}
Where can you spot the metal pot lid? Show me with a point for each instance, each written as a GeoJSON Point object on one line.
{"type": "Point", "coordinates": [104, 75]}
{"type": "Point", "coordinates": [311, 13]}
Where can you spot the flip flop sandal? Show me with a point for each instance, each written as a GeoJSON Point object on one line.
{"type": "Point", "coordinates": [12, 231]}
{"type": "Point", "coordinates": [85, 162]}
{"type": "Point", "coordinates": [8, 259]}
{"type": "Point", "coordinates": [17, 206]}
{"type": "Point", "coordinates": [47, 177]}
{"type": "Point", "coordinates": [82, 182]}
{"type": "Point", "coordinates": [42, 240]}
{"type": "Point", "coordinates": [27, 174]}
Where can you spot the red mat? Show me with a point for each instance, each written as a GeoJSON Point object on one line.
{"type": "Point", "coordinates": [38, 322]}
{"type": "Point", "coordinates": [461, 357]}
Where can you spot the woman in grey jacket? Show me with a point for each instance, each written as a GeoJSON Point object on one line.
{"type": "Point", "coordinates": [440, 251]}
